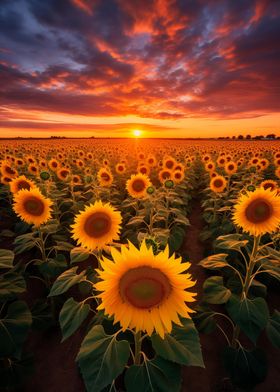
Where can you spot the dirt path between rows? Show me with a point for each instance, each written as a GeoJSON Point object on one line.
{"type": "Point", "coordinates": [196, 379]}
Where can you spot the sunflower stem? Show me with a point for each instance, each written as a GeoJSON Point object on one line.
{"type": "Point", "coordinates": [247, 282]}
{"type": "Point", "coordinates": [137, 351]}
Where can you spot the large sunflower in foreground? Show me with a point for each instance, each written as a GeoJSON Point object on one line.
{"type": "Point", "coordinates": [258, 212]}
{"type": "Point", "coordinates": [32, 207]}
{"type": "Point", "coordinates": [143, 291]}
{"type": "Point", "coordinates": [97, 226]}
{"type": "Point", "coordinates": [137, 185]}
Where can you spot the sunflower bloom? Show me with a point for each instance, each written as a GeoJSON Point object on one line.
{"type": "Point", "coordinates": [21, 182]}
{"type": "Point", "coordinates": [218, 184]}
{"type": "Point", "coordinates": [97, 226]}
{"type": "Point", "coordinates": [143, 291]}
{"type": "Point", "coordinates": [32, 207]}
{"type": "Point", "coordinates": [137, 185]}
{"type": "Point", "coordinates": [258, 212]}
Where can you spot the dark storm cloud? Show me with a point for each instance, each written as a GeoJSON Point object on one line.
{"type": "Point", "coordinates": [152, 58]}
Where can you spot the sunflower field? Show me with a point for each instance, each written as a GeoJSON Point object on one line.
{"type": "Point", "coordinates": [139, 265]}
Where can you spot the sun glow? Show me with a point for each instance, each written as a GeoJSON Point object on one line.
{"type": "Point", "coordinates": [136, 132]}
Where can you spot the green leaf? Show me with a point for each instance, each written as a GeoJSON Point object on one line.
{"type": "Point", "coordinates": [181, 346]}
{"type": "Point", "coordinates": [273, 329]}
{"type": "Point", "coordinates": [101, 358]}
{"type": "Point", "coordinates": [251, 315]}
{"type": "Point", "coordinates": [214, 291]}
{"type": "Point", "coordinates": [14, 328]}
{"type": "Point", "coordinates": [78, 254]}
{"type": "Point", "coordinates": [42, 317]}
{"type": "Point", "coordinates": [246, 368]}
{"type": "Point", "coordinates": [71, 316]}
{"type": "Point", "coordinates": [66, 280]}
{"type": "Point", "coordinates": [11, 285]}
{"type": "Point", "coordinates": [215, 261]}
{"type": "Point", "coordinates": [154, 375]}
{"type": "Point", "coordinates": [204, 319]}
{"type": "Point", "coordinates": [231, 241]}
{"type": "Point", "coordinates": [6, 258]}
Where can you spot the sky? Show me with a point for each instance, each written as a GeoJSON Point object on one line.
{"type": "Point", "coordinates": [168, 68]}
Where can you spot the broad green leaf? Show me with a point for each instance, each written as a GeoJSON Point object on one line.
{"type": "Point", "coordinates": [214, 291]}
{"type": "Point", "coordinates": [181, 346]}
{"type": "Point", "coordinates": [14, 328]}
{"type": "Point", "coordinates": [6, 258]}
{"type": "Point", "coordinates": [251, 315]}
{"type": "Point", "coordinates": [273, 329]}
{"type": "Point", "coordinates": [155, 375]}
{"type": "Point", "coordinates": [204, 319]}
{"type": "Point", "coordinates": [71, 316]}
{"type": "Point", "coordinates": [231, 241]}
{"type": "Point", "coordinates": [215, 261]}
{"type": "Point", "coordinates": [42, 317]}
{"type": "Point", "coordinates": [11, 285]}
{"type": "Point", "coordinates": [78, 254]}
{"type": "Point", "coordinates": [101, 358]}
{"type": "Point", "coordinates": [246, 368]}
{"type": "Point", "coordinates": [66, 280]}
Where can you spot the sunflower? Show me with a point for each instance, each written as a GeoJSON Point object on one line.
{"type": "Point", "coordinates": [53, 164]}
{"type": "Point", "coordinates": [269, 184]}
{"type": "Point", "coordinates": [230, 168]}
{"type": "Point", "coordinates": [277, 172]}
{"type": "Point", "coordinates": [164, 174]}
{"type": "Point", "coordinates": [144, 169]}
{"type": "Point", "coordinates": [120, 168]}
{"type": "Point", "coordinates": [137, 185]}
{"type": "Point", "coordinates": [210, 166]}
{"type": "Point", "coordinates": [258, 212]}
{"type": "Point", "coordinates": [32, 207]}
{"type": "Point", "coordinates": [63, 174]}
{"type": "Point", "coordinates": [178, 176]}
{"type": "Point", "coordinates": [105, 177]}
{"type": "Point", "coordinates": [21, 183]}
{"type": "Point", "coordinates": [218, 184]}
{"type": "Point", "coordinates": [97, 226]}
{"type": "Point", "coordinates": [6, 180]}
{"type": "Point", "coordinates": [169, 163]}
{"type": "Point", "coordinates": [7, 170]}
{"type": "Point", "coordinates": [143, 291]}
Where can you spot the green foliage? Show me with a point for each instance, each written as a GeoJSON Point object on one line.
{"type": "Point", "coordinates": [71, 316]}
{"type": "Point", "coordinates": [251, 315]}
{"type": "Point", "coordinates": [153, 375]}
{"type": "Point", "coordinates": [101, 358]}
{"type": "Point", "coordinates": [181, 346]}
{"type": "Point", "coordinates": [66, 280]}
{"type": "Point", "coordinates": [214, 291]}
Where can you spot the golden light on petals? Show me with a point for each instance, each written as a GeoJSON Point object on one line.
{"type": "Point", "coordinates": [21, 182]}
{"type": "Point", "coordinates": [218, 184]}
{"type": "Point", "coordinates": [97, 226]}
{"type": "Point", "coordinates": [143, 291]}
{"type": "Point", "coordinates": [32, 207]}
{"type": "Point", "coordinates": [258, 212]}
{"type": "Point", "coordinates": [137, 185]}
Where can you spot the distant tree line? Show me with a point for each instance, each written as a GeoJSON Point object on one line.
{"type": "Point", "coordinates": [270, 136]}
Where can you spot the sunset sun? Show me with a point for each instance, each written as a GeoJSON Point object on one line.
{"type": "Point", "coordinates": [137, 132]}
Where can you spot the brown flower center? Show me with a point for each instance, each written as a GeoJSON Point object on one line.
{"type": "Point", "coordinates": [9, 170]}
{"type": "Point", "coordinates": [34, 206]}
{"type": "Point", "coordinates": [97, 224]}
{"type": "Point", "coordinates": [169, 164]}
{"type": "Point", "coordinates": [218, 183]}
{"type": "Point", "coordinates": [259, 211]}
{"type": "Point", "coordinates": [138, 185]}
{"type": "Point", "coordinates": [23, 185]}
{"type": "Point", "coordinates": [105, 176]}
{"type": "Point", "coordinates": [144, 287]}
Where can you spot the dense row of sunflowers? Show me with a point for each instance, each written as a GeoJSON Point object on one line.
{"type": "Point", "coordinates": [111, 219]}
